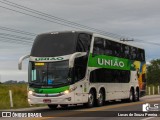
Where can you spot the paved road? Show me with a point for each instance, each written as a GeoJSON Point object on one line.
{"type": "Point", "coordinates": [111, 109]}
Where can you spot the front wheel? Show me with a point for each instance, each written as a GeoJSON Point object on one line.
{"type": "Point", "coordinates": [91, 99]}
{"type": "Point", "coordinates": [52, 106]}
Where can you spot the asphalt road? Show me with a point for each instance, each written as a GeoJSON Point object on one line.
{"type": "Point", "coordinates": [113, 110]}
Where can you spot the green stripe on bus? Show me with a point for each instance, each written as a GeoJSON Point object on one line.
{"type": "Point", "coordinates": [103, 61]}
{"type": "Point", "coordinates": [51, 90]}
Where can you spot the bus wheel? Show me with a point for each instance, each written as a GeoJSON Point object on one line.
{"type": "Point", "coordinates": [131, 96]}
{"type": "Point", "coordinates": [137, 95]}
{"type": "Point", "coordinates": [91, 99]}
{"type": "Point", "coordinates": [52, 106]}
{"type": "Point", "coordinates": [100, 100]}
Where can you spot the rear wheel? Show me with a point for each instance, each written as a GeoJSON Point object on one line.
{"type": "Point", "coordinates": [131, 96]}
{"type": "Point", "coordinates": [52, 106]}
{"type": "Point", "coordinates": [91, 99]}
{"type": "Point", "coordinates": [137, 95]}
{"type": "Point", "coordinates": [100, 100]}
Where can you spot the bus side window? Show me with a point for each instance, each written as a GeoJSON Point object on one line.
{"type": "Point", "coordinates": [80, 68]}
{"type": "Point", "coordinates": [140, 55]}
{"type": "Point", "coordinates": [117, 49]}
{"type": "Point", "coordinates": [127, 52]}
{"type": "Point", "coordinates": [143, 55]}
{"type": "Point", "coordinates": [98, 48]}
{"type": "Point", "coordinates": [108, 48]}
{"type": "Point", "coordinates": [83, 42]}
{"type": "Point", "coordinates": [125, 75]}
{"type": "Point", "coordinates": [133, 53]}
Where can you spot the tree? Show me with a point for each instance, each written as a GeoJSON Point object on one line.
{"type": "Point", "coordinates": [153, 72]}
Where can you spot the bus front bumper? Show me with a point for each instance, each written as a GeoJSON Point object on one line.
{"type": "Point", "coordinates": [62, 99]}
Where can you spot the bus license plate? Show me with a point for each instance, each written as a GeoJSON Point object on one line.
{"type": "Point", "coordinates": [47, 100]}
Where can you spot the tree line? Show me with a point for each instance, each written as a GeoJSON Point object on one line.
{"type": "Point", "coordinates": [153, 72]}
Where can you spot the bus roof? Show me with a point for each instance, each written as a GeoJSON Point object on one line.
{"type": "Point", "coordinates": [94, 34]}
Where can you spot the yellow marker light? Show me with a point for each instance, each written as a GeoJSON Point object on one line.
{"type": "Point", "coordinates": [30, 92]}
{"type": "Point", "coordinates": [66, 92]}
{"type": "Point", "coordinates": [39, 64]}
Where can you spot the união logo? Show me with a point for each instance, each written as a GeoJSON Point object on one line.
{"type": "Point", "coordinates": [109, 62]}
{"type": "Point", "coordinates": [49, 58]}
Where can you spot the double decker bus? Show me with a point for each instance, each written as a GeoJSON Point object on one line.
{"type": "Point", "coordinates": [75, 67]}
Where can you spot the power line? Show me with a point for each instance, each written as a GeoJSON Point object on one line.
{"type": "Point", "coordinates": [17, 31]}
{"type": "Point", "coordinates": [139, 41]}
{"type": "Point", "coordinates": [10, 45]}
{"type": "Point", "coordinates": [69, 23]}
{"type": "Point", "coordinates": [36, 16]}
{"type": "Point", "coordinates": [147, 42]}
{"type": "Point", "coordinates": [15, 36]}
{"type": "Point", "coordinates": [15, 41]}
{"type": "Point", "coordinates": [60, 19]}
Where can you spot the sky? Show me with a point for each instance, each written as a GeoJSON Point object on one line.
{"type": "Point", "coordinates": [138, 19]}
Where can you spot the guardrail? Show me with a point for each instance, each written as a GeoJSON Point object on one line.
{"type": "Point", "coordinates": [152, 90]}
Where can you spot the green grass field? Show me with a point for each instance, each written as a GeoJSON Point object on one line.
{"type": "Point", "coordinates": [19, 94]}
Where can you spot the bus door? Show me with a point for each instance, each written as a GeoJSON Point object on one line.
{"type": "Point", "coordinates": [78, 76]}
{"type": "Point", "coordinates": [78, 95]}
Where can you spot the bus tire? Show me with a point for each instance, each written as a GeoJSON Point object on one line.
{"type": "Point", "coordinates": [52, 106]}
{"type": "Point", "coordinates": [91, 99]}
{"type": "Point", "coordinates": [100, 99]}
{"type": "Point", "coordinates": [137, 95]}
{"type": "Point", "coordinates": [131, 96]}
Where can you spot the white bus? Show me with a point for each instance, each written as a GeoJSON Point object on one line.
{"type": "Point", "coordinates": [76, 67]}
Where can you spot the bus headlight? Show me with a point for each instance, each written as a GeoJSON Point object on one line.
{"type": "Point", "coordinates": [70, 90]}
{"type": "Point", "coordinates": [30, 92]}
{"type": "Point", "coordinates": [66, 91]}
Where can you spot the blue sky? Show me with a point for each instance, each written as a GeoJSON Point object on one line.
{"type": "Point", "coordinates": [134, 18]}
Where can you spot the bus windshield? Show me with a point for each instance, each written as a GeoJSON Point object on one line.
{"type": "Point", "coordinates": [49, 74]}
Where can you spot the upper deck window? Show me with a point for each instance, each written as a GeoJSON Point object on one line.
{"type": "Point", "coordinates": [116, 49]}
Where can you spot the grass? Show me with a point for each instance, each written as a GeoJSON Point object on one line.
{"type": "Point", "coordinates": [19, 94]}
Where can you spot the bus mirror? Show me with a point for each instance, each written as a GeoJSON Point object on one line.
{"type": "Point", "coordinates": [75, 55]}
{"type": "Point", "coordinates": [21, 60]}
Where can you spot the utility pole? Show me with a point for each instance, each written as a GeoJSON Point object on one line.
{"type": "Point", "coordinates": [0, 79]}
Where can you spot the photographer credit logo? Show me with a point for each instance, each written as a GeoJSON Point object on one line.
{"type": "Point", "coordinates": [20, 114]}
{"type": "Point", "coordinates": [6, 114]}
{"type": "Point", "coordinates": [147, 107]}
